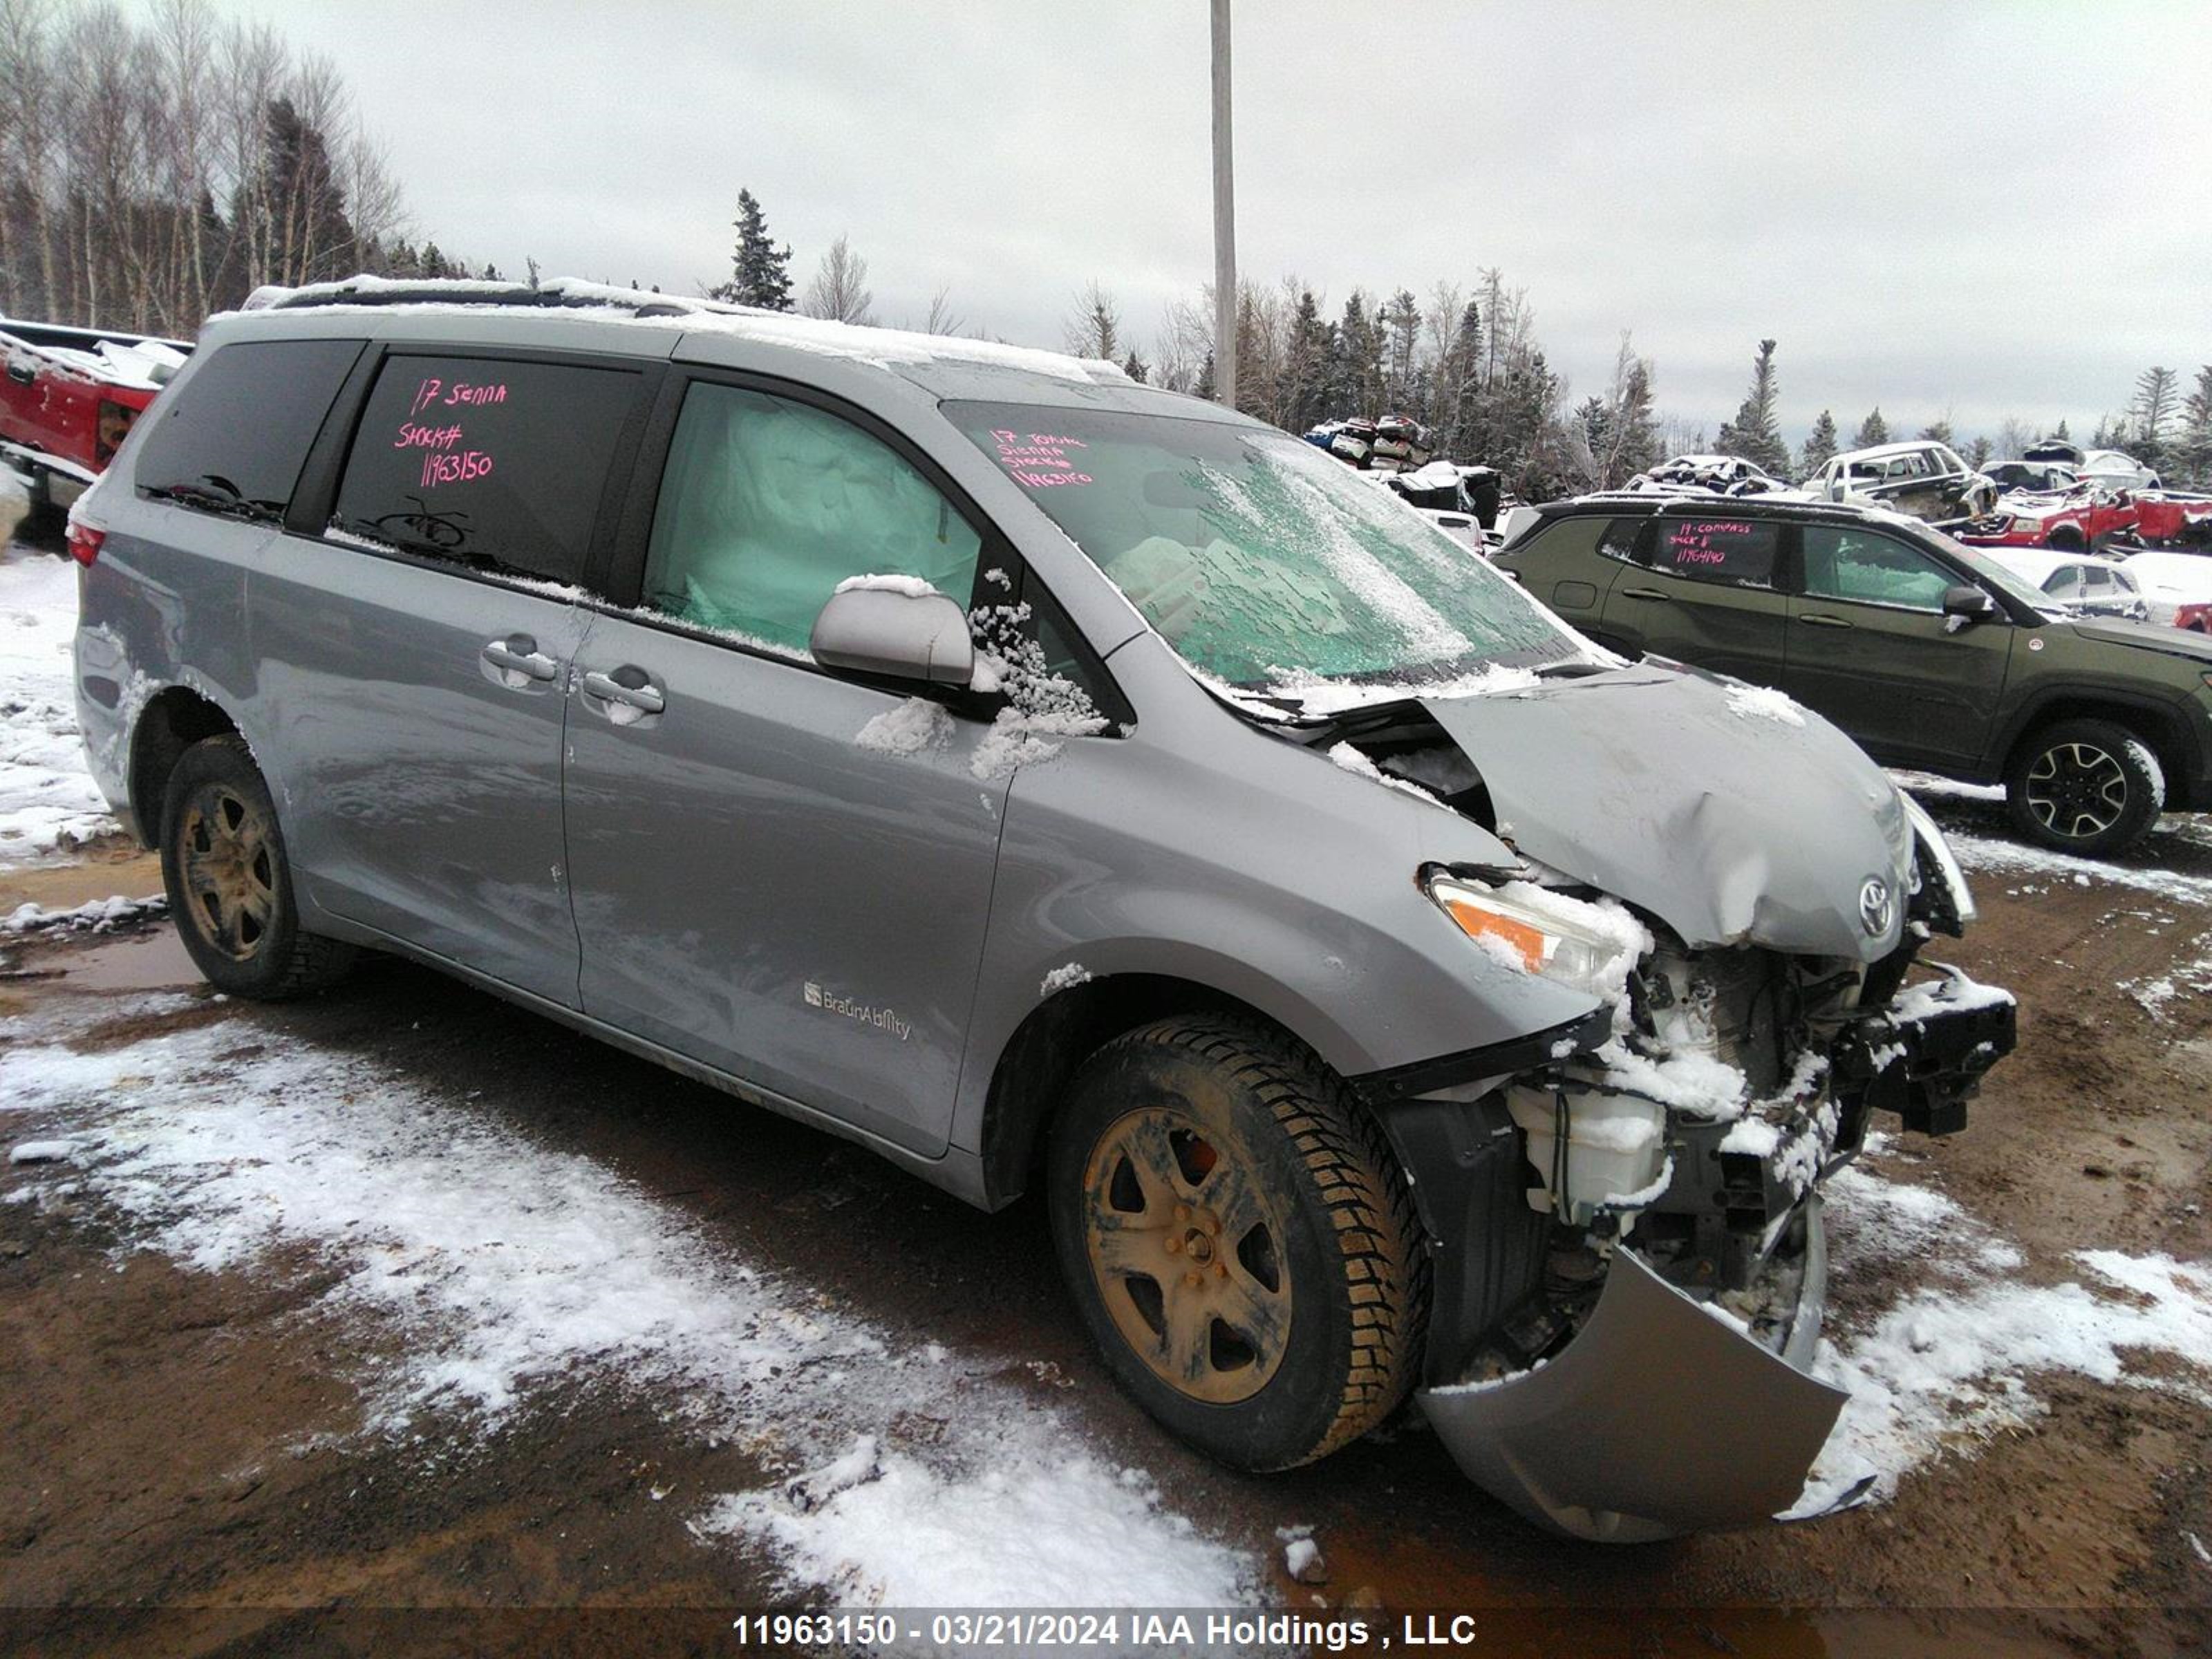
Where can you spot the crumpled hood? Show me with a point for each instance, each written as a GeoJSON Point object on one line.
{"type": "Point", "coordinates": [2145, 636]}
{"type": "Point", "coordinates": [1697, 799]}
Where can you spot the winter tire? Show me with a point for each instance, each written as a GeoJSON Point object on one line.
{"type": "Point", "coordinates": [229, 885]}
{"type": "Point", "coordinates": [1238, 1240]}
{"type": "Point", "coordinates": [2084, 786]}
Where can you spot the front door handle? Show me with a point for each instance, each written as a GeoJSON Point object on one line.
{"type": "Point", "coordinates": [518, 653]}
{"type": "Point", "coordinates": [629, 686]}
{"type": "Point", "coordinates": [1642, 593]}
{"type": "Point", "coordinates": [1824, 622]}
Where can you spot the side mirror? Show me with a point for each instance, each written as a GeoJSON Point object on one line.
{"type": "Point", "coordinates": [890, 631]}
{"type": "Point", "coordinates": [1970, 603]}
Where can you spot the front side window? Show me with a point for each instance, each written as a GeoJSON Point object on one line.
{"type": "Point", "coordinates": [767, 504]}
{"type": "Point", "coordinates": [1732, 552]}
{"type": "Point", "coordinates": [1262, 562]}
{"type": "Point", "coordinates": [2065, 582]}
{"type": "Point", "coordinates": [1865, 568]}
{"type": "Point", "coordinates": [233, 438]}
{"type": "Point", "coordinates": [495, 464]}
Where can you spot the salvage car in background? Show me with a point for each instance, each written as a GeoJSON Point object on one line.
{"type": "Point", "coordinates": [1710, 475]}
{"type": "Point", "coordinates": [1922, 479]}
{"type": "Point", "coordinates": [1928, 652]}
{"type": "Point", "coordinates": [1388, 990]}
{"type": "Point", "coordinates": [2079, 585]}
{"type": "Point", "coordinates": [2176, 586]}
{"type": "Point", "coordinates": [68, 396]}
{"type": "Point", "coordinates": [2074, 519]}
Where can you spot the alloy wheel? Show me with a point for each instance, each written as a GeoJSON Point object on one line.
{"type": "Point", "coordinates": [2076, 790]}
{"type": "Point", "coordinates": [1189, 1253]}
{"type": "Point", "coordinates": [229, 876]}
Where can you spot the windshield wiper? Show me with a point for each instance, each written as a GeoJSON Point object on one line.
{"type": "Point", "coordinates": [217, 496]}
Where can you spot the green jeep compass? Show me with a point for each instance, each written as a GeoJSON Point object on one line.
{"type": "Point", "coordinates": [1929, 654]}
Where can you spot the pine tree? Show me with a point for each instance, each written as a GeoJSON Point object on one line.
{"type": "Point", "coordinates": [1134, 367]}
{"type": "Point", "coordinates": [1306, 365]}
{"type": "Point", "coordinates": [1872, 430]}
{"type": "Point", "coordinates": [1819, 445]}
{"type": "Point", "coordinates": [1755, 435]}
{"type": "Point", "coordinates": [1978, 457]}
{"type": "Point", "coordinates": [2158, 396]}
{"type": "Point", "coordinates": [2192, 445]}
{"type": "Point", "coordinates": [1937, 432]}
{"type": "Point", "coordinates": [1401, 327]}
{"type": "Point", "coordinates": [1093, 329]}
{"type": "Point", "coordinates": [760, 273]}
{"type": "Point", "coordinates": [2062, 435]}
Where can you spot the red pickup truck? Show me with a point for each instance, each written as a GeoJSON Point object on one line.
{"type": "Point", "coordinates": [68, 395]}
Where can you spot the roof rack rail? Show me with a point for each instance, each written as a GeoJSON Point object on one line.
{"type": "Point", "coordinates": [560, 293]}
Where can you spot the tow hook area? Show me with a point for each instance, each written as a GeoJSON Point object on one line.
{"type": "Point", "coordinates": [1923, 1057]}
{"type": "Point", "coordinates": [1659, 1417]}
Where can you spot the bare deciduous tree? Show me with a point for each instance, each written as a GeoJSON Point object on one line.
{"type": "Point", "coordinates": [152, 171]}
{"type": "Point", "coordinates": [840, 288]}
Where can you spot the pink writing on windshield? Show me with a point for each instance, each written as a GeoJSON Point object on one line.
{"type": "Point", "coordinates": [1039, 460]}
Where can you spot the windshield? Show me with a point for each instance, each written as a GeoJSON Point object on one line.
{"type": "Point", "coordinates": [1263, 561]}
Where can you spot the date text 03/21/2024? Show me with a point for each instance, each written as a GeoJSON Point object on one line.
{"type": "Point", "coordinates": [1106, 1631]}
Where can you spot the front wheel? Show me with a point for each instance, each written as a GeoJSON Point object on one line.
{"type": "Point", "coordinates": [1238, 1240]}
{"type": "Point", "coordinates": [230, 883]}
{"type": "Point", "coordinates": [2085, 786]}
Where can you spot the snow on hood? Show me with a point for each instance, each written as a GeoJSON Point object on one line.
{"type": "Point", "coordinates": [1659, 786]}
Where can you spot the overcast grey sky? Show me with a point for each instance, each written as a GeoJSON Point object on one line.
{"type": "Point", "coordinates": [1986, 210]}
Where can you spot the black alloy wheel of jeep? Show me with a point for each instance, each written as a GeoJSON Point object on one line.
{"type": "Point", "coordinates": [2084, 786]}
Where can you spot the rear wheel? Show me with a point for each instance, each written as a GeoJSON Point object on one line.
{"type": "Point", "coordinates": [1238, 1241]}
{"type": "Point", "coordinates": [229, 884]}
{"type": "Point", "coordinates": [2085, 786]}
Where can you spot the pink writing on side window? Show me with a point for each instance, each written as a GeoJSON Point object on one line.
{"type": "Point", "coordinates": [454, 469]}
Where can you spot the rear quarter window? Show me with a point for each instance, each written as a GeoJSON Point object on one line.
{"type": "Point", "coordinates": [494, 464]}
{"type": "Point", "coordinates": [233, 436]}
{"type": "Point", "coordinates": [1583, 534]}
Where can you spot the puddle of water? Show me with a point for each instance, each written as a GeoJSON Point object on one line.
{"type": "Point", "coordinates": [152, 961]}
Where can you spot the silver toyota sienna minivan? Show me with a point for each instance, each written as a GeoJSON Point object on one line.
{"type": "Point", "coordinates": [1053, 784]}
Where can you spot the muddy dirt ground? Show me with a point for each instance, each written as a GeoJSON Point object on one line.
{"type": "Point", "coordinates": [178, 1473]}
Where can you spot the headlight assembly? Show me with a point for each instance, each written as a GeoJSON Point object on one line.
{"type": "Point", "coordinates": [1590, 946]}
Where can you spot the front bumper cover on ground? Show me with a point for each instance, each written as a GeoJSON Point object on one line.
{"type": "Point", "coordinates": [1657, 1418]}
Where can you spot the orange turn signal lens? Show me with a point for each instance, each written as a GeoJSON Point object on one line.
{"type": "Point", "coordinates": [1528, 942]}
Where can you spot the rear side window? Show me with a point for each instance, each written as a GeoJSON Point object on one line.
{"type": "Point", "coordinates": [1734, 552]}
{"type": "Point", "coordinates": [1586, 533]}
{"type": "Point", "coordinates": [495, 464]}
{"type": "Point", "coordinates": [233, 437]}
{"type": "Point", "coordinates": [768, 504]}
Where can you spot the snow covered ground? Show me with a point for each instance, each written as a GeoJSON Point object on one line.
{"type": "Point", "coordinates": [501, 1268]}
{"type": "Point", "coordinates": [47, 800]}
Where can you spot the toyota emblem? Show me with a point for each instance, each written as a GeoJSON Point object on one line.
{"type": "Point", "coordinates": [1876, 905]}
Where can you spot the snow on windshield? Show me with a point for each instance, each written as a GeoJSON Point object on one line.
{"type": "Point", "coordinates": [1264, 563]}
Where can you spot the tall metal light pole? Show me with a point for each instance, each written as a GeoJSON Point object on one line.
{"type": "Point", "coordinates": [1224, 221]}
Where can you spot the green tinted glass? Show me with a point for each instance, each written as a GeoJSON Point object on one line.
{"type": "Point", "coordinates": [1263, 561]}
{"type": "Point", "coordinates": [766, 505]}
{"type": "Point", "coordinates": [1852, 564]}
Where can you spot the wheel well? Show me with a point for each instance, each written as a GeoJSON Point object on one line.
{"type": "Point", "coordinates": [1049, 1046]}
{"type": "Point", "coordinates": [2156, 730]}
{"type": "Point", "coordinates": [171, 723]}
{"type": "Point", "coordinates": [2067, 538]}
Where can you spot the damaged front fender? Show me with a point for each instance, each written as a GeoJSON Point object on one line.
{"type": "Point", "coordinates": [1658, 1419]}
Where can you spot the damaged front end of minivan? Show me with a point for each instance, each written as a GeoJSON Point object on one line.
{"type": "Point", "coordinates": [1625, 1212]}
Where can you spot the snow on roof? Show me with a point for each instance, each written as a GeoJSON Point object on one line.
{"type": "Point", "coordinates": [1882, 452]}
{"type": "Point", "coordinates": [885, 347]}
